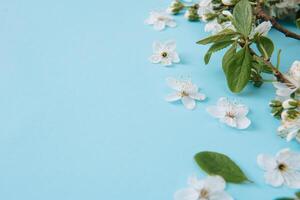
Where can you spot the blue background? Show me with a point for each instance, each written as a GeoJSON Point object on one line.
{"type": "Point", "coordinates": [82, 112]}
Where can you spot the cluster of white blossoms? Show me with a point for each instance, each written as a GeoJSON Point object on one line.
{"type": "Point", "coordinates": [287, 104]}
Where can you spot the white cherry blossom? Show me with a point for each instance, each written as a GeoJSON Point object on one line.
{"type": "Point", "coordinates": [290, 129]}
{"type": "Point", "coordinates": [283, 169]}
{"type": "Point", "coordinates": [210, 188]}
{"type": "Point", "coordinates": [284, 90]}
{"type": "Point", "coordinates": [230, 113]}
{"type": "Point", "coordinates": [185, 91]}
{"type": "Point", "coordinates": [160, 20]}
{"type": "Point", "coordinates": [165, 53]}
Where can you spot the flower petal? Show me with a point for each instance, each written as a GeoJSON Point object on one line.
{"type": "Point", "coordinates": [174, 83]}
{"type": "Point", "coordinates": [241, 110]}
{"type": "Point", "coordinates": [214, 183]}
{"type": "Point", "coordinates": [243, 122]}
{"type": "Point", "coordinates": [170, 45]}
{"type": "Point", "coordinates": [173, 97]}
{"type": "Point", "coordinates": [159, 25]}
{"type": "Point", "coordinates": [223, 102]}
{"type": "Point", "coordinates": [229, 121]}
{"type": "Point", "coordinates": [188, 102]}
{"type": "Point", "coordinates": [266, 162]}
{"type": "Point", "coordinates": [292, 179]}
{"type": "Point", "coordinates": [274, 178]}
{"type": "Point", "coordinates": [166, 61]}
{"type": "Point", "coordinates": [221, 195]}
{"type": "Point", "coordinates": [198, 96]}
{"type": "Point", "coordinates": [195, 183]}
{"type": "Point", "coordinates": [155, 58]}
{"type": "Point", "coordinates": [186, 194]}
{"type": "Point", "coordinates": [216, 111]}
{"type": "Point", "coordinates": [157, 47]}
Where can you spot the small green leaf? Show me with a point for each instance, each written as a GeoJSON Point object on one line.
{"type": "Point", "coordinates": [239, 70]}
{"type": "Point", "coordinates": [242, 17]}
{"type": "Point", "coordinates": [265, 46]}
{"type": "Point", "coordinates": [215, 163]}
{"type": "Point", "coordinates": [224, 35]}
{"type": "Point", "coordinates": [216, 47]}
{"type": "Point", "coordinates": [227, 59]}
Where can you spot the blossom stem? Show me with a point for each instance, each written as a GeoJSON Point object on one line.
{"type": "Point", "coordinates": [261, 14]}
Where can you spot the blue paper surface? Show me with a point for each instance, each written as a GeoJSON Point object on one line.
{"type": "Point", "coordinates": [82, 110]}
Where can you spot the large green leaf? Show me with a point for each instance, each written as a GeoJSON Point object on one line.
{"type": "Point", "coordinates": [215, 163]}
{"type": "Point", "coordinates": [297, 194]}
{"type": "Point", "coordinates": [228, 57]}
{"type": "Point", "coordinates": [224, 35]}
{"type": "Point", "coordinates": [265, 46]}
{"type": "Point", "coordinates": [242, 17]}
{"type": "Point", "coordinates": [238, 70]}
{"type": "Point", "coordinates": [216, 47]}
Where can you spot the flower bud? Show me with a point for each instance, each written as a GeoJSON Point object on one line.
{"type": "Point", "coordinates": [288, 115]}
{"type": "Point", "coordinates": [191, 14]}
{"type": "Point", "coordinates": [290, 104]}
{"type": "Point", "coordinates": [227, 2]}
{"type": "Point", "coordinates": [175, 7]}
{"type": "Point", "coordinates": [275, 103]}
{"type": "Point", "coordinates": [226, 13]}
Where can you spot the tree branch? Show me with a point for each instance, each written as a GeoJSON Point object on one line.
{"type": "Point", "coordinates": [261, 14]}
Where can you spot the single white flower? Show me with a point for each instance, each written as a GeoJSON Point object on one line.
{"type": "Point", "coordinates": [230, 113]}
{"type": "Point", "coordinates": [186, 91]}
{"type": "Point", "coordinates": [290, 129]}
{"type": "Point", "coordinates": [263, 28]}
{"type": "Point", "coordinates": [281, 169]}
{"type": "Point", "coordinates": [293, 76]}
{"type": "Point", "coordinates": [164, 53]}
{"type": "Point", "coordinates": [227, 2]}
{"type": "Point", "coordinates": [210, 188]}
{"type": "Point", "coordinates": [160, 19]}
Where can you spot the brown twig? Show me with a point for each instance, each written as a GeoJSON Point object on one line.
{"type": "Point", "coordinates": [261, 14]}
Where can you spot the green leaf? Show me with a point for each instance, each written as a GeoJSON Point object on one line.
{"type": "Point", "coordinates": [215, 163]}
{"type": "Point", "coordinates": [224, 35]}
{"type": "Point", "coordinates": [228, 57]}
{"type": "Point", "coordinates": [216, 47]}
{"type": "Point", "coordinates": [239, 70]}
{"type": "Point", "coordinates": [242, 17]}
{"type": "Point", "coordinates": [285, 198]}
{"type": "Point", "coordinates": [297, 194]}
{"type": "Point", "coordinates": [265, 46]}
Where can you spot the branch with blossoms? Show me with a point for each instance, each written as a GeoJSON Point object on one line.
{"type": "Point", "coordinates": [242, 27]}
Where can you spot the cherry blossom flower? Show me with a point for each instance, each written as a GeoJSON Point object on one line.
{"type": "Point", "coordinates": [164, 53]}
{"type": "Point", "coordinates": [230, 113]}
{"type": "Point", "coordinates": [284, 90]}
{"type": "Point", "coordinates": [211, 187]}
{"type": "Point", "coordinates": [185, 91]}
{"type": "Point", "coordinates": [290, 129]}
{"type": "Point", "coordinates": [283, 169]}
{"type": "Point", "coordinates": [160, 19]}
